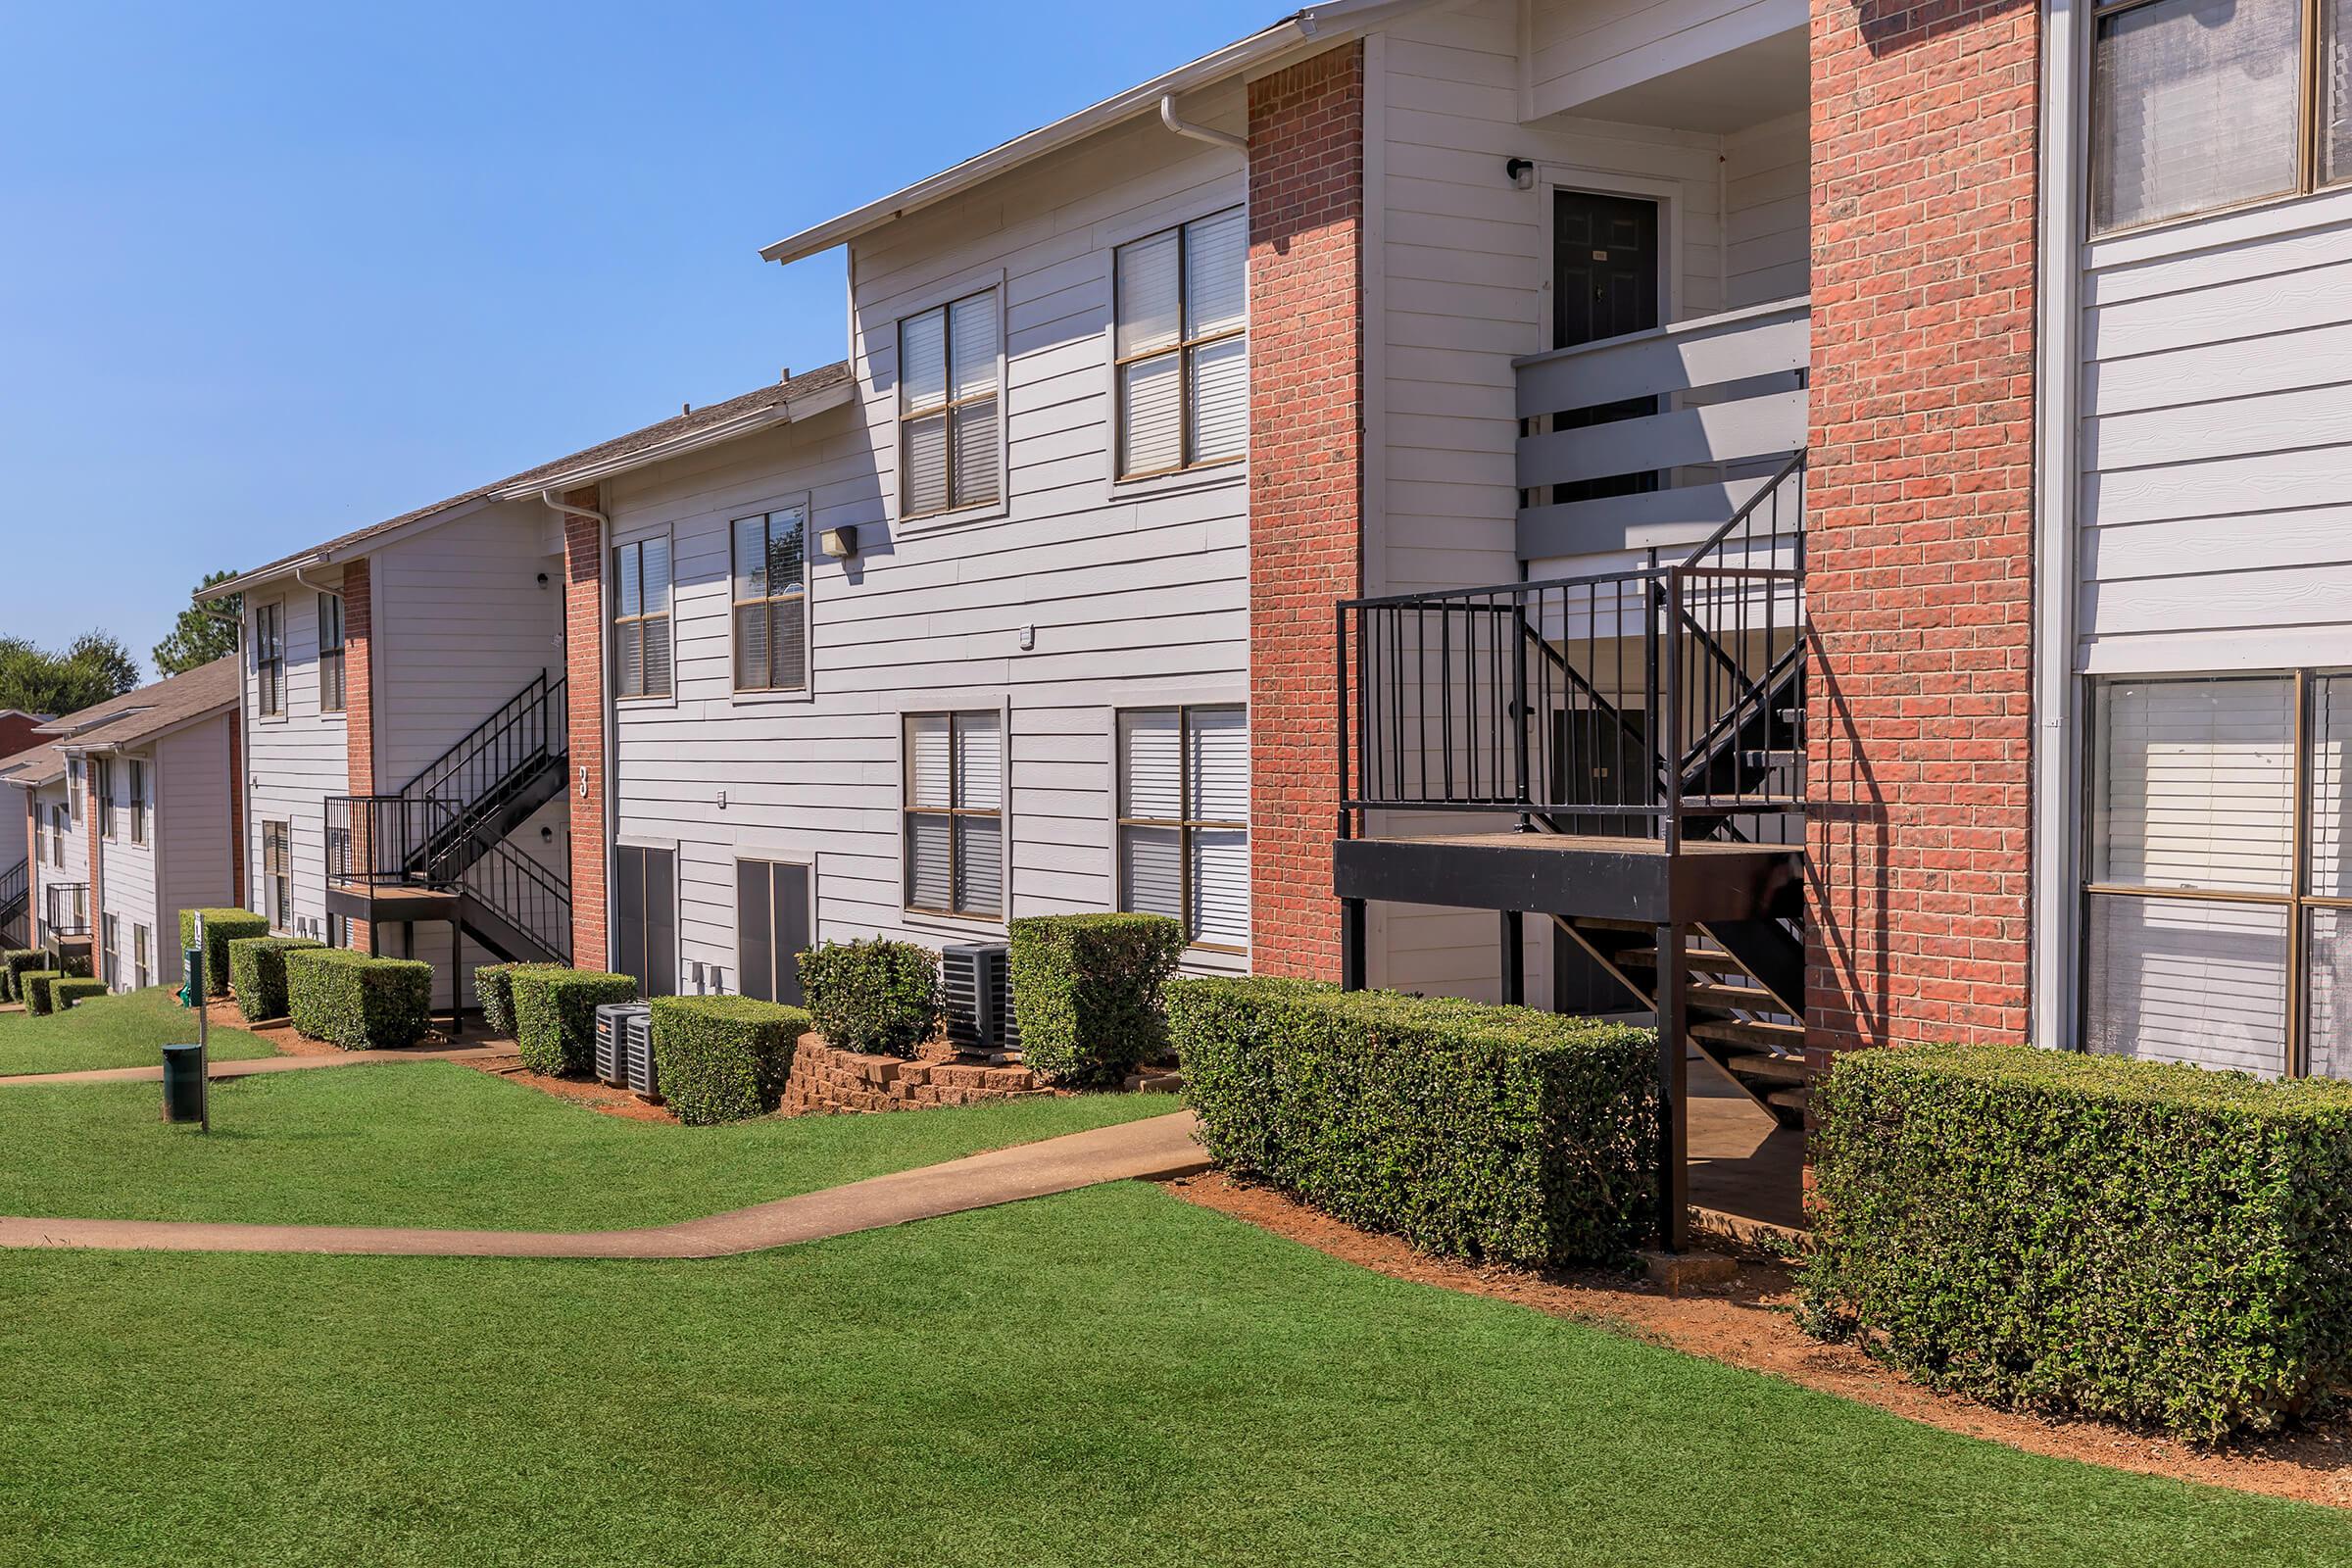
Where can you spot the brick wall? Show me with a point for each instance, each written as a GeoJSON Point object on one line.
{"type": "Point", "coordinates": [1307, 203]}
{"type": "Point", "coordinates": [584, 661]}
{"type": "Point", "coordinates": [1919, 553]}
{"type": "Point", "coordinates": [359, 708]}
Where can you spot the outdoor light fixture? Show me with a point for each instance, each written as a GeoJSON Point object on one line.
{"type": "Point", "coordinates": [839, 543]}
{"type": "Point", "coordinates": [1521, 171]}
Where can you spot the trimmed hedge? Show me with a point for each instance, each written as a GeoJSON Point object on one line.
{"type": "Point", "coordinates": [221, 928]}
{"type": "Point", "coordinates": [555, 1015]}
{"type": "Point", "coordinates": [355, 1002]}
{"type": "Point", "coordinates": [723, 1058]}
{"type": "Point", "coordinates": [880, 997]}
{"type": "Point", "coordinates": [14, 961]}
{"type": "Point", "coordinates": [494, 988]}
{"type": "Point", "coordinates": [36, 984]}
{"type": "Point", "coordinates": [1086, 992]}
{"type": "Point", "coordinates": [1478, 1131]}
{"type": "Point", "coordinates": [63, 993]}
{"type": "Point", "coordinates": [256, 973]}
{"type": "Point", "coordinates": [2096, 1235]}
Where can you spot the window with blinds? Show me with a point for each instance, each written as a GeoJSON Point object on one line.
{"type": "Point", "coordinates": [330, 654]}
{"type": "Point", "coordinates": [2199, 105]}
{"type": "Point", "coordinates": [772, 601]}
{"type": "Point", "coordinates": [641, 618]}
{"type": "Point", "coordinates": [102, 791]}
{"type": "Point", "coordinates": [954, 805]}
{"type": "Point", "coordinates": [74, 806]}
{"type": "Point", "coordinates": [137, 783]}
{"type": "Point", "coordinates": [1180, 346]}
{"type": "Point", "coordinates": [278, 874]}
{"type": "Point", "coordinates": [142, 968]}
{"type": "Point", "coordinates": [60, 818]}
{"type": "Point", "coordinates": [1184, 819]}
{"type": "Point", "coordinates": [270, 660]}
{"type": "Point", "coordinates": [950, 448]}
{"type": "Point", "coordinates": [110, 938]}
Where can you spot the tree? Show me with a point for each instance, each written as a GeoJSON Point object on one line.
{"type": "Point", "coordinates": [201, 636]}
{"type": "Point", "coordinates": [93, 667]}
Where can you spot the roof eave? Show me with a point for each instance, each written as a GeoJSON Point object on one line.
{"type": "Point", "coordinates": [677, 446]}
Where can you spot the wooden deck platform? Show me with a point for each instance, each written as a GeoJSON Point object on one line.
{"type": "Point", "coordinates": [1570, 874]}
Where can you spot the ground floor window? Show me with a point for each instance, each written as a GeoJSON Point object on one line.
{"type": "Point", "coordinates": [2218, 905]}
{"type": "Point", "coordinates": [1184, 819]}
{"type": "Point", "coordinates": [278, 874]}
{"type": "Point", "coordinates": [645, 917]}
{"type": "Point", "coordinates": [954, 813]}
{"type": "Point", "coordinates": [142, 967]}
{"type": "Point", "coordinates": [110, 932]}
{"type": "Point", "coordinates": [772, 928]}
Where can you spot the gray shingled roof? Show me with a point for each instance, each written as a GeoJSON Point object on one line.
{"type": "Point", "coordinates": [708, 415]}
{"type": "Point", "coordinates": [128, 719]}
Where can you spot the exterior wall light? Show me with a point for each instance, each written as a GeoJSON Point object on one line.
{"type": "Point", "coordinates": [839, 543]}
{"type": "Point", "coordinates": [1520, 171]}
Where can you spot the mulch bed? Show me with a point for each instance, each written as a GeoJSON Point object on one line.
{"type": "Point", "coordinates": [279, 1035]}
{"type": "Point", "coordinates": [1747, 1323]}
{"type": "Point", "coordinates": [596, 1097]}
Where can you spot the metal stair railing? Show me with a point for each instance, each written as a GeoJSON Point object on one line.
{"type": "Point", "coordinates": [486, 769]}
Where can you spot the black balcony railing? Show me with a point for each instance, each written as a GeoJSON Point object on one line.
{"type": "Point", "coordinates": [64, 910]}
{"type": "Point", "coordinates": [386, 839]}
{"type": "Point", "coordinates": [1657, 702]}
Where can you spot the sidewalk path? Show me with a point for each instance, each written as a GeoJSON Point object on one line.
{"type": "Point", "coordinates": [218, 1070]}
{"type": "Point", "coordinates": [1157, 1148]}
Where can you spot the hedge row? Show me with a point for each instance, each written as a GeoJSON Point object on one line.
{"type": "Point", "coordinates": [221, 928]}
{"type": "Point", "coordinates": [257, 972]}
{"type": "Point", "coordinates": [1086, 992]}
{"type": "Point", "coordinates": [14, 961]}
{"type": "Point", "coordinates": [355, 1002]}
{"type": "Point", "coordinates": [1480, 1131]}
{"type": "Point", "coordinates": [36, 984]}
{"type": "Point", "coordinates": [63, 993]}
{"type": "Point", "coordinates": [555, 1014]}
{"type": "Point", "coordinates": [2093, 1235]}
{"type": "Point", "coordinates": [494, 988]}
{"type": "Point", "coordinates": [723, 1058]}
{"type": "Point", "coordinates": [877, 997]}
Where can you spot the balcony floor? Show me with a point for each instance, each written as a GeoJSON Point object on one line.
{"type": "Point", "coordinates": [1569, 874]}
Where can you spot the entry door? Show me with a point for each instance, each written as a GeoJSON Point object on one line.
{"type": "Point", "coordinates": [771, 928]}
{"type": "Point", "coordinates": [645, 917]}
{"type": "Point", "coordinates": [1604, 284]}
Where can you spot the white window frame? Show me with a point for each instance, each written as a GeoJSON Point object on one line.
{"type": "Point", "coordinates": [613, 618]}
{"type": "Point", "coordinates": [962, 287]}
{"type": "Point", "coordinates": [276, 888]}
{"type": "Point", "coordinates": [748, 848]}
{"type": "Point", "coordinates": [1189, 472]}
{"type": "Point", "coordinates": [1120, 822]}
{"type": "Point", "coordinates": [806, 502]}
{"type": "Point", "coordinates": [269, 660]}
{"type": "Point", "coordinates": [965, 924]}
{"type": "Point", "coordinates": [135, 770]}
{"type": "Point", "coordinates": [76, 786]}
{"type": "Point", "coordinates": [338, 652]}
{"type": "Point", "coordinates": [142, 954]}
{"type": "Point", "coordinates": [102, 795]}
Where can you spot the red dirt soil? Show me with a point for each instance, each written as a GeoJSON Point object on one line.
{"type": "Point", "coordinates": [595, 1095]}
{"type": "Point", "coordinates": [1748, 1324]}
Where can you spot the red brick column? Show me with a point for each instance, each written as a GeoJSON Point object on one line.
{"type": "Point", "coordinates": [1306, 436]}
{"type": "Point", "coordinates": [1920, 520]}
{"type": "Point", "coordinates": [584, 667]}
{"type": "Point", "coordinates": [359, 710]}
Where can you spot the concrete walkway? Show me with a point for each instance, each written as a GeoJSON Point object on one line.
{"type": "Point", "coordinates": [1157, 1148]}
{"type": "Point", "coordinates": [218, 1070]}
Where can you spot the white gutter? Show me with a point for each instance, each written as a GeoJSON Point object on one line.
{"type": "Point", "coordinates": [742, 424]}
{"type": "Point", "coordinates": [1185, 127]}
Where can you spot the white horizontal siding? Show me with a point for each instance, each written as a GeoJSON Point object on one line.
{"type": "Point", "coordinates": [1582, 52]}
{"type": "Point", "coordinates": [194, 818]}
{"type": "Point", "coordinates": [295, 761]}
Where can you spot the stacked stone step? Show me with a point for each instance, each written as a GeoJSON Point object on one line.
{"type": "Point", "coordinates": [827, 1080]}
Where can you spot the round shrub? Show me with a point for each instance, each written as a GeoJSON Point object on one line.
{"type": "Point", "coordinates": [494, 987]}
{"type": "Point", "coordinates": [723, 1058]}
{"type": "Point", "coordinates": [14, 961]}
{"type": "Point", "coordinates": [256, 973]}
{"type": "Point", "coordinates": [1085, 992]}
{"type": "Point", "coordinates": [63, 993]}
{"type": "Point", "coordinates": [555, 1015]}
{"type": "Point", "coordinates": [221, 928]}
{"type": "Point", "coordinates": [359, 1002]}
{"type": "Point", "coordinates": [880, 997]}
{"type": "Point", "coordinates": [36, 984]}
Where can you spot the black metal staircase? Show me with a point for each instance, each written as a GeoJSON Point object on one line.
{"type": "Point", "coordinates": [15, 905]}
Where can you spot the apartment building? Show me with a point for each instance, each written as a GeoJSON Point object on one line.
{"type": "Point", "coordinates": [132, 813]}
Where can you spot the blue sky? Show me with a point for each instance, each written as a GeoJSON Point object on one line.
{"type": "Point", "coordinates": [276, 273]}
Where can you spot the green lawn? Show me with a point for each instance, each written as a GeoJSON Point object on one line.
{"type": "Point", "coordinates": [432, 1142]}
{"type": "Point", "coordinates": [125, 1031]}
{"type": "Point", "coordinates": [1108, 1377]}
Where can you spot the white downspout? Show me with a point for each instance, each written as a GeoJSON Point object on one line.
{"type": "Point", "coordinates": [604, 707]}
{"type": "Point", "coordinates": [1185, 127]}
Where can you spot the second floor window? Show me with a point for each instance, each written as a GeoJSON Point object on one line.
{"type": "Point", "coordinates": [641, 618]}
{"type": "Point", "coordinates": [2199, 105]}
{"type": "Point", "coordinates": [102, 790]}
{"type": "Point", "coordinates": [954, 838]}
{"type": "Point", "coordinates": [771, 602]}
{"type": "Point", "coordinates": [948, 404]}
{"type": "Point", "coordinates": [138, 781]}
{"type": "Point", "coordinates": [269, 659]}
{"type": "Point", "coordinates": [74, 788]}
{"type": "Point", "coordinates": [278, 874]}
{"type": "Point", "coordinates": [1181, 345]}
{"type": "Point", "coordinates": [58, 825]}
{"type": "Point", "coordinates": [330, 653]}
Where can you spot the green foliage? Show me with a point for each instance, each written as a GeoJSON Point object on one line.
{"type": "Point", "coordinates": [1086, 992]}
{"type": "Point", "coordinates": [877, 997]}
{"type": "Point", "coordinates": [355, 1002]}
{"type": "Point", "coordinates": [2121, 1238]}
{"type": "Point", "coordinates": [1469, 1129]}
{"type": "Point", "coordinates": [723, 1058]}
{"type": "Point", "coordinates": [36, 984]}
{"type": "Point", "coordinates": [257, 972]}
{"type": "Point", "coordinates": [63, 993]}
{"type": "Point", "coordinates": [494, 988]}
{"type": "Point", "coordinates": [14, 961]}
{"type": "Point", "coordinates": [201, 636]}
{"type": "Point", "coordinates": [221, 928]}
{"type": "Point", "coordinates": [555, 1015]}
{"type": "Point", "coordinates": [94, 669]}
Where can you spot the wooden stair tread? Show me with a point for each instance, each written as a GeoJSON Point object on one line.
{"type": "Point", "coordinates": [1752, 999]}
{"type": "Point", "coordinates": [1738, 1033]}
{"type": "Point", "coordinates": [1596, 922]}
{"type": "Point", "coordinates": [1711, 961]}
{"type": "Point", "coordinates": [1783, 1069]}
{"type": "Point", "coordinates": [1791, 1099]}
